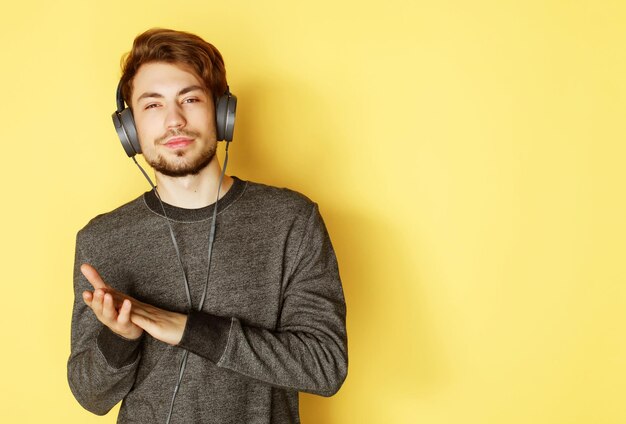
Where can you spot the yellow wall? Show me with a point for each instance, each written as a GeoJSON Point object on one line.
{"type": "Point", "coordinates": [467, 157]}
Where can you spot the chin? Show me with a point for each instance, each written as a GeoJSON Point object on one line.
{"type": "Point", "coordinates": [181, 168]}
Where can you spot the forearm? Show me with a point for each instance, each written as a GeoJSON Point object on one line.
{"type": "Point", "coordinates": [306, 349]}
{"type": "Point", "coordinates": [303, 359]}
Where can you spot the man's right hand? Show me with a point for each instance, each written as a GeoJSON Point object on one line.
{"type": "Point", "coordinates": [111, 307]}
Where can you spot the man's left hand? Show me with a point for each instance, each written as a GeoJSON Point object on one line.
{"type": "Point", "coordinates": [163, 325]}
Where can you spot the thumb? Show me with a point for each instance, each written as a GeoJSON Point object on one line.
{"type": "Point", "coordinates": [92, 276]}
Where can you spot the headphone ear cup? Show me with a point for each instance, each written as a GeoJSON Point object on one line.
{"type": "Point", "coordinates": [127, 132]}
{"type": "Point", "coordinates": [225, 109]}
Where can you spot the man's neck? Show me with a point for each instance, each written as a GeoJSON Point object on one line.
{"type": "Point", "coordinates": [193, 191]}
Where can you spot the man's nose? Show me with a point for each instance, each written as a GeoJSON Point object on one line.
{"type": "Point", "coordinates": [175, 117]}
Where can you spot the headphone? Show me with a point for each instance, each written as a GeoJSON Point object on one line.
{"type": "Point", "coordinates": [225, 107]}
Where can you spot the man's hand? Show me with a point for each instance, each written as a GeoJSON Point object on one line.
{"type": "Point", "coordinates": [112, 308]}
{"type": "Point", "coordinates": [129, 317]}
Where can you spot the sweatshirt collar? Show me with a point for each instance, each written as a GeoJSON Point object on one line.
{"type": "Point", "coordinates": [194, 215]}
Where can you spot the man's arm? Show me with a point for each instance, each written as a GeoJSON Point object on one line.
{"type": "Point", "coordinates": [102, 364]}
{"type": "Point", "coordinates": [306, 352]}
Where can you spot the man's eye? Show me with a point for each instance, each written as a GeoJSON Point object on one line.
{"type": "Point", "coordinates": [151, 106]}
{"type": "Point", "coordinates": [191, 100]}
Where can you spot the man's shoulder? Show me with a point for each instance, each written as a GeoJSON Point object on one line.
{"type": "Point", "coordinates": [273, 199]}
{"type": "Point", "coordinates": [119, 219]}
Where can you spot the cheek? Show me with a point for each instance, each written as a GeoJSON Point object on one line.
{"type": "Point", "coordinates": [207, 122]}
{"type": "Point", "coordinates": [201, 117]}
{"type": "Point", "coordinates": [146, 130]}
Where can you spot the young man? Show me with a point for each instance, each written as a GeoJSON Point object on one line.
{"type": "Point", "coordinates": [180, 327]}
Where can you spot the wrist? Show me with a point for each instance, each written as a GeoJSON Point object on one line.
{"type": "Point", "coordinates": [129, 336]}
{"type": "Point", "coordinates": [117, 350]}
{"type": "Point", "coordinates": [180, 322]}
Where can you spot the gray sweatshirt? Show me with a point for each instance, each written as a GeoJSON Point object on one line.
{"type": "Point", "coordinates": [273, 322]}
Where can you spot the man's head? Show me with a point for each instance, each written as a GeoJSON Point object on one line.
{"type": "Point", "coordinates": [170, 81]}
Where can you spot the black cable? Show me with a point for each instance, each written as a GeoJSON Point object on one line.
{"type": "Point", "coordinates": [183, 362]}
{"type": "Point", "coordinates": [212, 232]}
{"type": "Point", "coordinates": [181, 371]}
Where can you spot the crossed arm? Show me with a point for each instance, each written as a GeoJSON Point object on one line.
{"type": "Point", "coordinates": [129, 317]}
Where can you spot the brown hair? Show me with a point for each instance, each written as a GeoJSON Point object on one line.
{"type": "Point", "coordinates": [170, 46]}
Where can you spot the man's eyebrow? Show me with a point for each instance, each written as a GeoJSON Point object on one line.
{"type": "Point", "coordinates": [180, 93]}
{"type": "Point", "coordinates": [190, 88]}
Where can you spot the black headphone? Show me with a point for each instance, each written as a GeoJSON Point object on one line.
{"type": "Point", "coordinates": [225, 107]}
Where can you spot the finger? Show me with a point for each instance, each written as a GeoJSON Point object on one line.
{"type": "Point", "coordinates": [87, 297]}
{"type": "Point", "coordinates": [96, 302]}
{"type": "Point", "coordinates": [108, 309]}
{"type": "Point", "coordinates": [124, 314]}
{"type": "Point", "coordinates": [119, 298]}
{"type": "Point", "coordinates": [92, 276]}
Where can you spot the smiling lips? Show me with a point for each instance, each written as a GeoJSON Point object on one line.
{"type": "Point", "coordinates": [178, 142]}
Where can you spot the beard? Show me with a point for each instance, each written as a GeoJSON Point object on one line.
{"type": "Point", "coordinates": [183, 166]}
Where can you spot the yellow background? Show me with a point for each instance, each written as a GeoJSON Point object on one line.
{"type": "Point", "coordinates": [467, 157]}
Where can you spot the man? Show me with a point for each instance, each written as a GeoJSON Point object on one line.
{"type": "Point", "coordinates": [191, 309]}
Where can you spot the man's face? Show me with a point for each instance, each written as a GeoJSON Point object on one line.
{"type": "Point", "coordinates": [175, 118]}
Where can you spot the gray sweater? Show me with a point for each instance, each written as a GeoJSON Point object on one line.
{"type": "Point", "coordinates": [273, 323]}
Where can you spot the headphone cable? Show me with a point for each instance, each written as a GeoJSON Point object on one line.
{"type": "Point", "coordinates": [183, 362]}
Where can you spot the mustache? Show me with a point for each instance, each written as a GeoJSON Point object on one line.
{"type": "Point", "coordinates": [177, 133]}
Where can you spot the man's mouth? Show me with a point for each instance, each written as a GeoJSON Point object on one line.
{"type": "Point", "coordinates": [178, 142]}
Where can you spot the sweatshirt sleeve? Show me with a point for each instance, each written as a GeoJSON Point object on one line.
{"type": "Point", "coordinates": [308, 349]}
{"type": "Point", "coordinates": [102, 365]}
